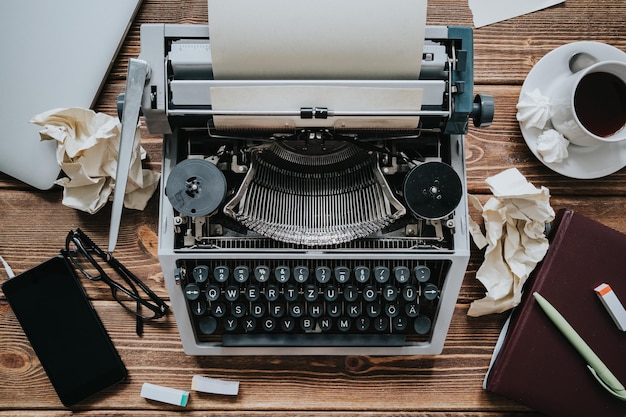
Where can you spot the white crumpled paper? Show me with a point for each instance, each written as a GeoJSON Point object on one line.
{"type": "Point", "coordinates": [515, 220]}
{"type": "Point", "coordinates": [87, 151]}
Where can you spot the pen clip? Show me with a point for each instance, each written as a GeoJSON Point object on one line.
{"type": "Point", "coordinates": [617, 391]}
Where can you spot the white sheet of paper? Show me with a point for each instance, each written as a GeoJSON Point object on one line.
{"type": "Point", "coordinates": [327, 39]}
{"type": "Point", "coordinates": [487, 12]}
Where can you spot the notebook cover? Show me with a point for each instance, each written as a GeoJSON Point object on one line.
{"type": "Point", "coordinates": [535, 365]}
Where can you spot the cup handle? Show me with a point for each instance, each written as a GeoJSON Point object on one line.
{"type": "Point", "coordinates": [581, 60]}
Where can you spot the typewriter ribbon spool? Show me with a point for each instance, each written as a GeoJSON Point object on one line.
{"type": "Point", "coordinates": [432, 190]}
{"type": "Point", "coordinates": [196, 187]}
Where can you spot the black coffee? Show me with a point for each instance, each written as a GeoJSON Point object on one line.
{"type": "Point", "coordinates": [600, 103]}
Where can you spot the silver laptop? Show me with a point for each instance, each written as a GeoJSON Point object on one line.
{"type": "Point", "coordinates": [54, 54]}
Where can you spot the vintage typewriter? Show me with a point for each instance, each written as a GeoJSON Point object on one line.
{"type": "Point", "coordinates": [313, 235]}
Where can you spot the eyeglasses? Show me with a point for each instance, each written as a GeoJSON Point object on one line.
{"type": "Point", "coordinates": [131, 293]}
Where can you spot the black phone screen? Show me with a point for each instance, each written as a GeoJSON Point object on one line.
{"type": "Point", "coordinates": [64, 330]}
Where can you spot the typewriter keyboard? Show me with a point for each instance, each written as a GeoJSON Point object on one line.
{"type": "Point", "coordinates": [301, 303]}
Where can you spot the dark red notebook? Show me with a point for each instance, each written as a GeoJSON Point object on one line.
{"type": "Point", "coordinates": [535, 365]}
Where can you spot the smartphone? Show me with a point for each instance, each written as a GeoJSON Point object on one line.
{"type": "Point", "coordinates": [64, 330]}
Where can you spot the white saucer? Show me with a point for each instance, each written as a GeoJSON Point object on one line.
{"type": "Point", "coordinates": [582, 162]}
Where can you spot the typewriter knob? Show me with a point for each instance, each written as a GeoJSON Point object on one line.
{"type": "Point", "coordinates": [483, 110]}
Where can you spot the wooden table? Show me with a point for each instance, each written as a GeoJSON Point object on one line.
{"type": "Point", "coordinates": [33, 225]}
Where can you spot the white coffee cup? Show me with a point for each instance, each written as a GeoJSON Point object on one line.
{"type": "Point", "coordinates": [589, 106]}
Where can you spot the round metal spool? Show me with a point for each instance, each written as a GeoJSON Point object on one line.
{"type": "Point", "coordinates": [196, 187]}
{"type": "Point", "coordinates": [432, 190]}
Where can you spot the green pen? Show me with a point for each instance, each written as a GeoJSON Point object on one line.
{"type": "Point", "coordinates": [599, 370]}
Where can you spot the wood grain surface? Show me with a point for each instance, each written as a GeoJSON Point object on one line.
{"type": "Point", "coordinates": [33, 225]}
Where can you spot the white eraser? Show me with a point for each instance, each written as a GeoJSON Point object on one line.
{"type": "Point", "coordinates": [612, 305]}
{"type": "Point", "coordinates": [214, 386]}
{"type": "Point", "coordinates": [165, 394]}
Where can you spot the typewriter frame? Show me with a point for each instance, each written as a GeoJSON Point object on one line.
{"type": "Point", "coordinates": [161, 119]}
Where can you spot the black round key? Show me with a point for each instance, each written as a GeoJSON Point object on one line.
{"type": "Point", "coordinates": [218, 309]}
{"type": "Point", "coordinates": [301, 274]}
{"type": "Point", "coordinates": [307, 323]}
{"type": "Point", "coordinates": [198, 307]}
{"type": "Point", "coordinates": [207, 325]}
{"type": "Point", "coordinates": [354, 310]}
{"type": "Point", "coordinates": [369, 293]}
{"type": "Point", "coordinates": [422, 325]}
{"type": "Point", "coordinates": [373, 309]}
{"type": "Point", "coordinates": [390, 293]}
{"type": "Point", "coordinates": [412, 310]}
{"type": "Point", "coordinates": [249, 324]}
{"type": "Point", "coordinates": [290, 292]}
{"type": "Point", "coordinates": [342, 274]}
{"type": "Point", "coordinates": [192, 291]}
{"type": "Point", "coordinates": [322, 274]}
{"type": "Point", "coordinates": [362, 323]}
{"type": "Point", "coordinates": [282, 274]}
{"type": "Point", "coordinates": [344, 324]}
{"type": "Point", "coordinates": [409, 293]}
{"type": "Point", "coordinates": [422, 273]}
{"type": "Point", "coordinates": [221, 273]}
{"type": "Point", "coordinates": [252, 292]}
{"type": "Point", "coordinates": [231, 293]}
{"type": "Point", "coordinates": [269, 324]}
{"type": "Point", "coordinates": [310, 292]}
{"type": "Point", "coordinates": [362, 274]}
{"type": "Point", "coordinates": [350, 293]}
{"type": "Point", "coordinates": [334, 309]}
{"type": "Point", "coordinates": [241, 273]}
{"type": "Point", "coordinates": [315, 309]}
{"type": "Point", "coordinates": [402, 274]}
{"type": "Point", "coordinates": [326, 323]}
{"type": "Point", "coordinates": [239, 309]}
{"type": "Point", "coordinates": [287, 324]}
{"type": "Point", "coordinates": [381, 324]}
{"type": "Point", "coordinates": [391, 310]}
{"type": "Point", "coordinates": [200, 273]}
{"type": "Point", "coordinates": [257, 310]}
{"type": "Point", "coordinates": [212, 292]}
{"type": "Point", "coordinates": [277, 309]}
{"type": "Point", "coordinates": [331, 293]}
{"type": "Point", "coordinates": [399, 323]}
{"type": "Point", "coordinates": [262, 273]}
{"type": "Point", "coordinates": [230, 324]}
{"type": "Point", "coordinates": [381, 274]}
{"type": "Point", "coordinates": [272, 292]}
{"type": "Point", "coordinates": [430, 291]}
{"type": "Point", "coordinates": [296, 310]}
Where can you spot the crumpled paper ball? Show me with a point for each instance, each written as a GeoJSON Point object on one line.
{"type": "Point", "coordinates": [552, 146]}
{"type": "Point", "coordinates": [533, 109]}
{"type": "Point", "coordinates": [515, 219]}
{"type": "Point", "coordinates": [87, 152]}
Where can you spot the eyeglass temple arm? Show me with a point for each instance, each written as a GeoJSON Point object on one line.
{"type": "Point", "coordinates": [138, 71]}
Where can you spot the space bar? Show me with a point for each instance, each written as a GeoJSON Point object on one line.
{"type": "Point", "coordinates": [312, 339]}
